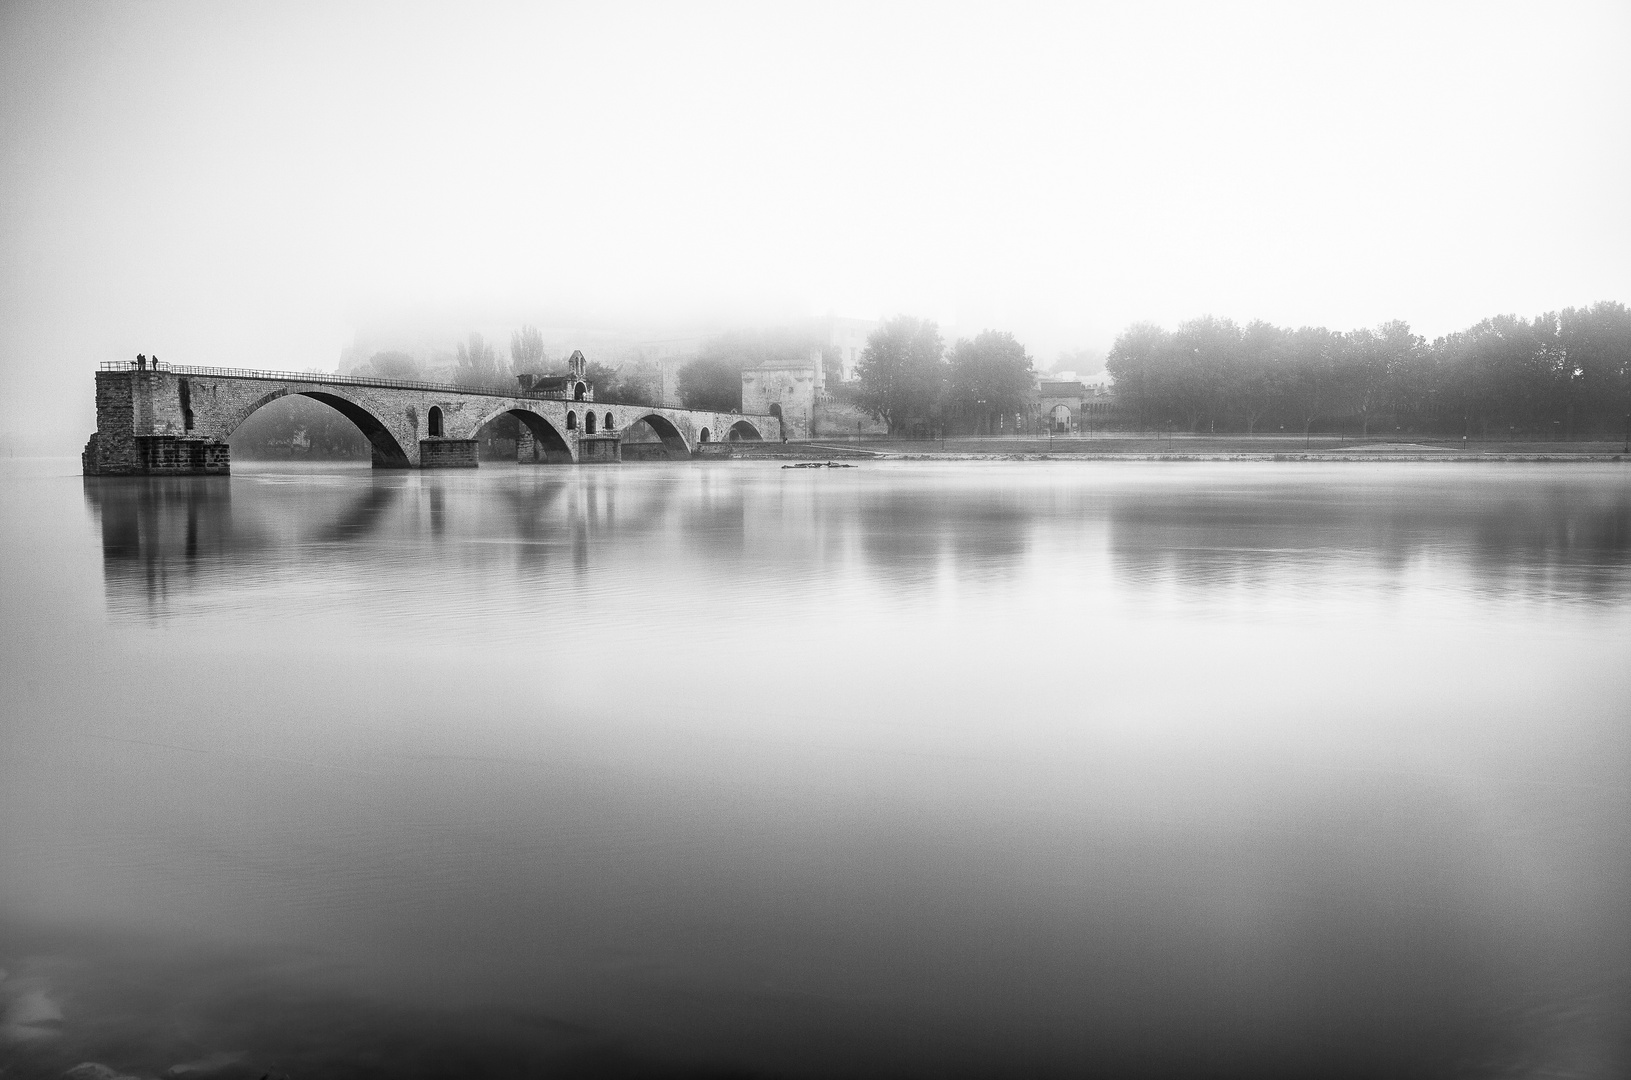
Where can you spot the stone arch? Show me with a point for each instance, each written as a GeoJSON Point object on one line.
{"type": "Point", "coordinates": [433, 421]}
{"type": "Point", "coordinates": [388, 452]}
{"type": "Point", "coordinates": [589, 422]}
{"type": "Point", "coordinates": [743, 431]}
{"type": "Point", "coordinates": [704, 437]}
{"type": "Point", "coordinates": [571, 420]}
{"type": "Point", "coordinates": [552, 445]}
{"type": "Point", "coordinates": [607, 425]}
{"type": "Point", "coordinates": [776, 409]}
{"type": "Point", "coordinates": [671, 436]}
{"type": "Point", "coordinates": [579, 391]}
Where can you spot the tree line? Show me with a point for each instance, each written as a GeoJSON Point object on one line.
{"type": "Point", "coordinates": [906, 376]}
{"type": "Point", "coordinates": [1563, 372]}
{"type": "Point", "coordinates": [909, 379]}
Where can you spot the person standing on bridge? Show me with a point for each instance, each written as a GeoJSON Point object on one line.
{"type": "Point", "coordinates": [141, 362]}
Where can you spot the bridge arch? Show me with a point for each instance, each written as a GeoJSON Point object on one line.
{"type": "Point", "coordinates": [388, 452]}
{"type": "Point", "coordinates": [552, 445]}
{"type": "Point", "coordinates": [743, 431]}
{"type": "Point", "coordinates": [672, 438]}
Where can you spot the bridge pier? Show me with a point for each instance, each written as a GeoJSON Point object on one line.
{"type": "Point", "coordinates": [448, 454]}
{"type": "Point", "coordinates": [601, 449]}
{"type": "Point", "coordinates": [156, 455]}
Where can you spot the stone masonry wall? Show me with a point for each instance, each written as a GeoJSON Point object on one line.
{"type": "Point", "coordinates": [448, 454]}
{"type": "Point", "coordinates": [114, 444]}
{"type": "Point", "coordinates": [790, 389]}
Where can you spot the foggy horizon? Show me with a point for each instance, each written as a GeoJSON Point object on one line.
{"type": "Point", "coordinates": [252, 187]}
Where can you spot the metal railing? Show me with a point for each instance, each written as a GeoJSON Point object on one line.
{"type": "Point", "coordinates": [313, 377]}
{"type": "Point", "coordinates": [389, 384]}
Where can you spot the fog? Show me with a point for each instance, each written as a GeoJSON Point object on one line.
{"type": "Point", "coordinates": [253, 185]}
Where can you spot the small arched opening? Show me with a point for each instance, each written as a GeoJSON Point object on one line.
{"type": "Point", "coordinates": [776, 409]}
{"type": "Point", "coordinates": [578, 392]}
{"type": "Point", "coordinates": [742, 431]}
{"type": "Point", "coordinates": [571, 421]}
{"type": "Point", "coordinates": [1061, 418]}
{"type": "Point", "coordinates": [435, 420]}
{"type": "Point", "coordinates": [589, 423]}
{"type": "Point", "coordinates": [704, 437]}
{"type": "Point", "coordinates": [608, 425]}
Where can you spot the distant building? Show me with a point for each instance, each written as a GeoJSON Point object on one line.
{"type": "Point", "coordinates": [668, 388]}
{"type": "Point", "coordinates": [786, 389]}
{"type": "Point", "coordinates": [847, 337]}
{"type": "Point", "coordinates": [1065, 406]}
{"type": "Point", "coordinates": [573, 386]}
{"type": "Point", "coordinates": [798, 393]}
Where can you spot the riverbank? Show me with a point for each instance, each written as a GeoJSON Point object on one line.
{"type": "Point", "coordinates": [1151, 447]}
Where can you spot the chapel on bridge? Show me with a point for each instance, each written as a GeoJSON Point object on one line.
{"type": "Point", "coordinates": [573, 386]}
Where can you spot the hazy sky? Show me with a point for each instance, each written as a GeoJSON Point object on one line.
{"type": "Point", "coordinates": [249, 184]}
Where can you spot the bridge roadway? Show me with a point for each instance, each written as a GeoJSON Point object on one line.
{"type": "Point", "coordinates": [178, 419]}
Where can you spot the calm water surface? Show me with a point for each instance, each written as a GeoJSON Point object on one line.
{"type": "Point", "coordinates": [904, 770]}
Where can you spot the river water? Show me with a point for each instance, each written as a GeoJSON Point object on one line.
{"type": "Point", "coordinates": [911, 769]}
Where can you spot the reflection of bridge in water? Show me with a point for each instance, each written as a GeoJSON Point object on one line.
{"type": "Point", "coordinates": [178, 419]}
{"type": "Point", "coordinates": [185, 544]}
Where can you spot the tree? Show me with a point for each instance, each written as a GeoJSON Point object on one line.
{"type": "Point", "coordinates": [990, 375]}
{"type": "Point", "coordinates": [1204, 362]}
{"type": "Point", "coordinates": [479, 365]}
{"type": "Point", "coordinates": [711, 383]}
{"type": "Point", "coordinates": [527, 352]}
{"type": "Point", "coordinates": [902, 371]}
{"type": "Point", "coordinates": [1596, 342]}
{"type": "Point", "coordinates": [391, 365]}
{"type": "Point", "coordinates": [1259, 383]}
{"type": "Point", "coordinates": [636, 384]}
{"type": "Point", "coordinates": [1310, 385]}
{"type": "Point", "coordinates": [1135, 363]}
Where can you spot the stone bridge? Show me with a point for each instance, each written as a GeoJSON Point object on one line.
{"type": "Point", "coordinates": [178, 419]}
